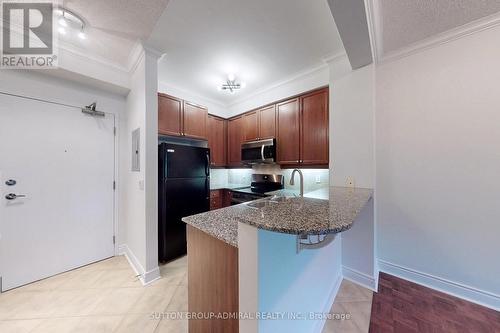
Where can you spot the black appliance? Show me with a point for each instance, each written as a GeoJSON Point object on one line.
{"type": "Point", "coordinates": [260, 185]}
{"type": "Point", "coordinates": [183, 190]}
{"type": "Point", "coordinates": [258, 152]}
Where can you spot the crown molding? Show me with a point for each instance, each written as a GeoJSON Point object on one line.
{"type": "Point", "coordinates": [336, 57]}
{"type": "Point", "coordinates": [374, 17]}
{"type": "Point", "coordinates": [451, 35]}
{"type": "Point", "coordinates": [190, 93]}
{"type": "Point", "coordinates": [326, 61]}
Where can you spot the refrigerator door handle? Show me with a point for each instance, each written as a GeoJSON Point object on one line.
{"type": "Point", "coordinates": [207, 188]}
{"type": "Point", "coordinates": [207, 166]}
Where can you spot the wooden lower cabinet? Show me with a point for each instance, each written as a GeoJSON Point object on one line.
{"type": "Point", "coordinates": [212, 282]}
{"type": "Point", "coordinates": [216, 197]}
{"type": "Point", "coordinates": [220, 198]}
{"type": "Point", "coordinates": [227, 196]}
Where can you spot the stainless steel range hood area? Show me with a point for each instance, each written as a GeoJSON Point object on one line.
{"type": "Point", "coordinates": [259, 152]}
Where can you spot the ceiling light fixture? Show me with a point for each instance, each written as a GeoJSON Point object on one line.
{"type": "Point", "coordinates": [71, 20]}
{"type": "Point", "coordinates": [231, 85]}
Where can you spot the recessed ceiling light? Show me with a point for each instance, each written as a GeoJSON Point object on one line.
{"type": "Point", "coordinates": [231, 77]}
{"type": "Point", "coordinates": [62, 31]}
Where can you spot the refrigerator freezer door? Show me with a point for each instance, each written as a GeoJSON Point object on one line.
{"type": "Point", "coordinates": [186, 161]}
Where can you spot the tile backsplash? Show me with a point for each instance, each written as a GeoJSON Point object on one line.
{"type": "Point", "coordinates": [313, 178]}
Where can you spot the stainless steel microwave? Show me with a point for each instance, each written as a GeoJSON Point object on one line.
{"type": "Point", "coordinates": [261, 151]}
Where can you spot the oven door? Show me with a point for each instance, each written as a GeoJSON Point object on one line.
{"type": "Point", "coordinates": [263, 151]}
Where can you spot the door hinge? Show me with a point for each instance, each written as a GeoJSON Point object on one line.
{"type": "Point", "coordinates": [114, 240]}
{"type": "Point", "coordinates": [114, 185]}
{"type": "Point", "coordinates": [114, 131]}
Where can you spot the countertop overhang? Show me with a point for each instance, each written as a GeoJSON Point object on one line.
{"type": "Point", "coordinates": [325, 211]}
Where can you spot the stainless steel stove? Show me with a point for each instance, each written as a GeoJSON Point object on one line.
{"type": "Point", "coordinates": [260, 185]}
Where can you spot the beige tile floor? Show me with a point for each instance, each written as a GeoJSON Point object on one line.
{"type": "Point", "coordinates": [354, 300]}
{"type": "Point", "coordinates": [102, 297]}
{"type": "Point", "coordinates": [108, 297]}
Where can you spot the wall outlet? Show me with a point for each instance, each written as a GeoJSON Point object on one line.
{"type": "Point", "coordinates": [349, 182]}
{"type": "Point", "coordinates": [318, 179]}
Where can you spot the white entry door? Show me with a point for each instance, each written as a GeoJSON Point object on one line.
{"type": "Point", "coordinates": [62, 160]}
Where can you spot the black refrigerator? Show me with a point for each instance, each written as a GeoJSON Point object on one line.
{"type": "Point", "coordinates": [184, 190]}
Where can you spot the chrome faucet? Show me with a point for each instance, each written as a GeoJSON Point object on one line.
{"type": "Point", "coordinates": [292, 182]}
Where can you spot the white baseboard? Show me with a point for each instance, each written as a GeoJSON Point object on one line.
{"type": "Point", "coordinates": [320, 324]}
{"type": "Point", "coordinates": [460, 290]}
{"type": "Point", "coordinates": [360, 278]}
{"type": "Point", "coordinates": [145, 277]}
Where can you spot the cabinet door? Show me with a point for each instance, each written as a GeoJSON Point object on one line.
{"type": "Point", "coordinates": [314, 128]}
{"type": "Point", "coordinates": [288, 132]}
{"type": "Point", "coordinates": [251, 126]}
{"type": "Point", "coordinates": [235, 136]}
{"type": "Point", "coordinates": [217, 140]}
{"type": "Point", "coordinates": [195, 121]}
{"type": "Point", "coordinates": [267, 122]}
{"type": "Point", "coordinates": [169, 115]}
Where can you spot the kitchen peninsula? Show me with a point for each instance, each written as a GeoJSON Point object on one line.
{"type": "Point", "coordinates": [279, 256]}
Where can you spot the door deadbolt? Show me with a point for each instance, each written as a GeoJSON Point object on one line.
{"type": "Point", "coordinates": [10, 182]}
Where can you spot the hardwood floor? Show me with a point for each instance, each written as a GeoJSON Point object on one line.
{"type": "Point", "coordinates": [403, 306]}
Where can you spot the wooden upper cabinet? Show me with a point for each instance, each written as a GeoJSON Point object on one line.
{"type": "Point", "coordinates": [217, 141]}
{"type": "Point", "coordinates": [314, 128]}
{"type": "Point", "coordinates": [267, 122]}
{"type": "Point", "coordinates": [169, 115]}
{"type": "Point", "coordinates": [288, 132]}
{"type": "Point", "coordinates": [195, 121]}
{"type": "Point", "coordinates": [251, 126]}
{"type": "Point", "coordinates": [235, 137]}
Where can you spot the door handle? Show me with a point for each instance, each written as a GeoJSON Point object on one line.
{"type": "Point", "coordinates": [207, 166]}
{"type": "Point", "coordinates": [13, 196]}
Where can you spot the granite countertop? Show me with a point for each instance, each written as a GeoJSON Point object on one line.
{"type": "Point", "coordinates": [330, 210]}
{"type": "Point", "coordinates": [228, 186]}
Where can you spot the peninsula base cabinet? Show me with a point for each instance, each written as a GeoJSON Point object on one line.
{"type": "Point", "coordinates": [212, 282]}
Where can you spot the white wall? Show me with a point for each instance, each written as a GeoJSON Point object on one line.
{"type": "Point", "coordinates": [140, 189]}
{"type": "Point", "coordinates": [37, 85]}
{"type": "Point", "coordinates": [352, 155]}
{"type": "Point", "coordinates": [438, 162]}
{"type": "Point", "coordinates": [351, 124]}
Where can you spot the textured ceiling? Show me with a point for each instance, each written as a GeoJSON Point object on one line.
{"type": "Point", "coordinates": [261, 41]}
{"type": "Point", "coordinates": [114, 25]}
{"type": "Point", "coordinates": [408, 21]}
